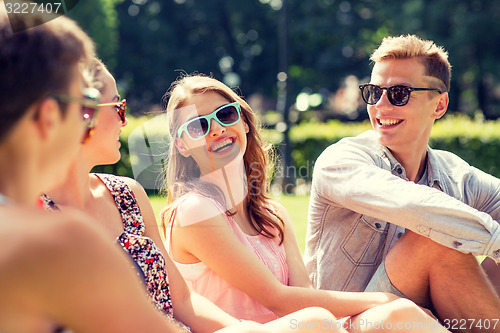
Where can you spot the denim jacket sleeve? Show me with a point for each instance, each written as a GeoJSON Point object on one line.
{"type": "Point", "coordinates": [484, 189]}
{"type": "Point", "coordinates": [355, 175]}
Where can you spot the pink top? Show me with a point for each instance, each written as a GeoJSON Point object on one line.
{"type": "Point", "coordinates": [227, 297]}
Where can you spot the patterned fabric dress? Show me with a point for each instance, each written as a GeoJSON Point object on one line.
{"type": "Point", "coordinates": [142, 249]}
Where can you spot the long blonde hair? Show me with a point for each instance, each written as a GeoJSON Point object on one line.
{"type": "Point", "coordinates": [182, 174]}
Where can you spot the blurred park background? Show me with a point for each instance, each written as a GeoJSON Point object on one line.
{"type": "Point", "coordinates": [298, 64]}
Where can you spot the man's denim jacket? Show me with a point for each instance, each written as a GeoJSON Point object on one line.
{"type": "Point", "coordinates": [361, 202]}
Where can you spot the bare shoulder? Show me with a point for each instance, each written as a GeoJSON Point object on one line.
{"type": "Point", "coordinates": [28, 226]}
{"type": "Point", "coordinates": [195, 200]}
{"type": "Point", "coordinates": [56, 265]}
{"type": "Point", "coordinates": [30, 234]}
{"type": "Point", "coordinates": [39, 248]}
{"type": "Point", "coordinates": [132, 183]}
{"type": "Point", "coordinates": [277, 207]}
{"type": "Point", "coordinates": [25, 239]}
{"type": "Point", "coordinates": [279, 210]}
{"type": "Point", "coordinates": [196, 208]}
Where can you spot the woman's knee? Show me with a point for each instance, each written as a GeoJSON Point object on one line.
{"type": "Point", "coordinates": [404, 310]}
{"type": "Point", "coordinates": [315, 314]}
{"type": "Point", "coordinates": [312, 319]}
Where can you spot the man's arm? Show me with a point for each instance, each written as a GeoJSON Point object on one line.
{"type": "Point", "coordinates": [86, 283]}
{"type": "Point", "coordinates": [350, 178]}
{"type": "Point", "coordinates": [484, 192]}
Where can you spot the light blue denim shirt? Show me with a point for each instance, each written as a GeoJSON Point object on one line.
{"type": "Point", "coordinates": [361, 202]}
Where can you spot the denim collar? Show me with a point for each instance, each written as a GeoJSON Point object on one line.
{"type": "Point", "coordinates": [396, 167]}
{"type": "Point", "coordinates": [434, 174]}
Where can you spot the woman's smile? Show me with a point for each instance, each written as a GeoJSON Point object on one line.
{"type": "Point", "coordinates": [221, 145]}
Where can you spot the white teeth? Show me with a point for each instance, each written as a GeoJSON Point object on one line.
{"type": "Point", "coordinates": [389, 122]}
{"type": "Point", "coordinates": [221, 144]}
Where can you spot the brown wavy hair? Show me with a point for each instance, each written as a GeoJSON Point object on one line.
{"type": "Point", "coordinates": [37, 59]}
{"type": "Point", "coordinates": [182, 173]}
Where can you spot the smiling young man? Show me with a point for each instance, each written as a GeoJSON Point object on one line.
{"type": "Point", "coordinates": [370, 189]}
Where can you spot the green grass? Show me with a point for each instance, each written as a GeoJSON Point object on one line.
{"type": "Point", "coordinates": [296, 206]}
{"type": "Point", "coordinates": [158, 202]}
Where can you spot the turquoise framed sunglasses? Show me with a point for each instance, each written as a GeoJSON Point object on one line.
{"type": "Point", "coordinates": [197, 128]}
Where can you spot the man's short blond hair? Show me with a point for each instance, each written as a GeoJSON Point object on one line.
{"type": "Point", "coordinates": [433, 57]}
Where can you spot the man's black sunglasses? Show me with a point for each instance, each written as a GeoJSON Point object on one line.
{"type": "Point", "coordinates": [398, 95]}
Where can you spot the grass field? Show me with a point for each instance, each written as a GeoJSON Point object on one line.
{"type": "Point", "coordinates": [296, 205]}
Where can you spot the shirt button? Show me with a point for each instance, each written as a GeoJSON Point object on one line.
{"type": "Point", "coordinates": [457, 244]}
{"type": "Point", "coordinates": [378, 225]}
{"type": "Point", "coordinates": [496, 253]}
{"type": "Point", "coordinates": [400, 235]}
{"type": "Point", "coordinates": [399, 171]}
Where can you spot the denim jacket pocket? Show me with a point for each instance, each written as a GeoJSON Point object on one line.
{"type": "Point", "coordinates": [363, 245]}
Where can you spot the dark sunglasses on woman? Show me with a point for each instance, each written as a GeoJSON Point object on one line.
{"type": "Point", "coordinates": [89, 108]}
{"type": "Point", "coordinates": [197, 128]}
{"type": "Point", "coordinates": [121, 108]}
{"type": "Point", "coordinates": [398, 95]}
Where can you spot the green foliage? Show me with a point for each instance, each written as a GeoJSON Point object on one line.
{"type": "Point", "coordinates": [99, 19]}
{"type": "Point", "coordinates": [144, 141]}
{"type": "Point", "coordinates": [329, 130]}
{"type": "Point", "coordinates": [229, 39]}
{"type": "Point", "coordinates": [476, 141]}
{"type": "Point", "coordinates": [311, 138]}
{"type": "Point", "coordinates": [148, 43]}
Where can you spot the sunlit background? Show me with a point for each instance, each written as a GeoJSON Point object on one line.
{"type": "Point", "coordinates": [298, 64]}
